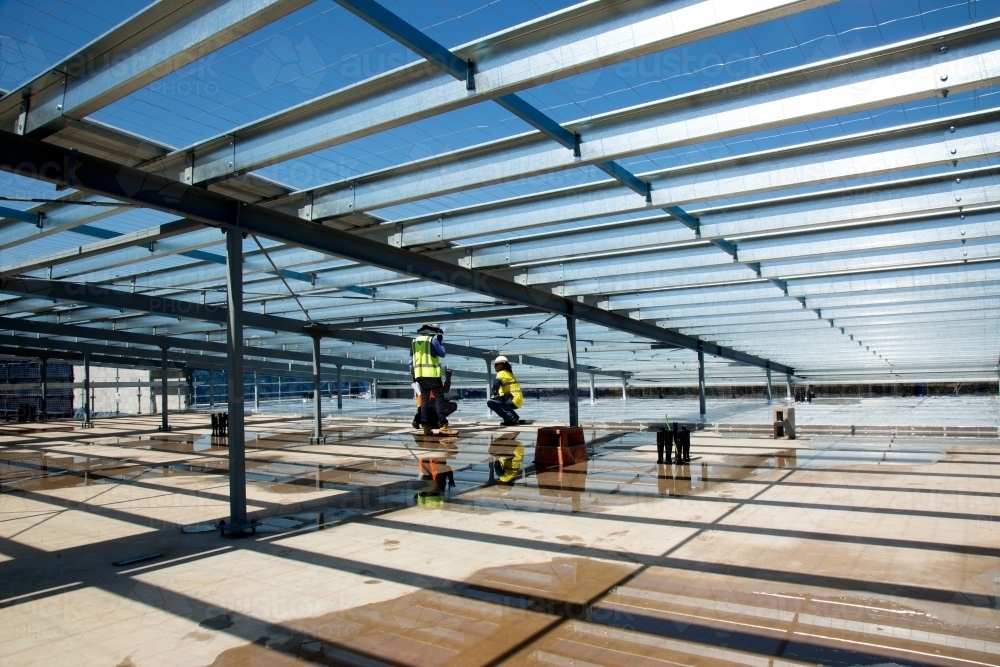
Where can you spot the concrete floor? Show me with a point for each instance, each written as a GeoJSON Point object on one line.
{"type": "Point", "coordinates": [831, 550]}
{"type": "Point", "coordinates": [915, 411]}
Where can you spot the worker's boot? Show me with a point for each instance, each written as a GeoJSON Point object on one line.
{"type": "Point", "coordinates": [428, 431]}
{"type": "Point", "coordinates": [447, 430]}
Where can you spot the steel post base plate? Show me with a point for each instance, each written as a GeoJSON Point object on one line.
{"type": "Point", "coordinates": [238, 528]}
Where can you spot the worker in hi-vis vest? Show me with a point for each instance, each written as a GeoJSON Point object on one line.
{"type": "Point", "coordinates": [506, 393]}
{"type": "Point", "coordinates": [427, 351]}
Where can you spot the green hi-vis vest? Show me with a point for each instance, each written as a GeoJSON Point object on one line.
{"type": "Point", "coordinates": [425, 364]}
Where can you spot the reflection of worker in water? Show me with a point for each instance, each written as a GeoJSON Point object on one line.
{"type": "Point", "coordinates": [507, 465]}
{"type": "Point", "coordinates": [432, 415]}
{"type": "Point", "coordinates": [506, 393]}
{"type": "Point", "coordinates": [427, 352]}
{"type": "Point", "coordinates": [434, 469]}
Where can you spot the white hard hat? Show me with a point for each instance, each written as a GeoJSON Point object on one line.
{"type": "Point", "coordinates": [500, 360]}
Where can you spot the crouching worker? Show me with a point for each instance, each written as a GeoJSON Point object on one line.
{"type": "Point", "coordinates": [427, 352]}
{"type": "Point", "coordinates": [432, 415]}
{"type": "Point", "coordinates": [506, 393]}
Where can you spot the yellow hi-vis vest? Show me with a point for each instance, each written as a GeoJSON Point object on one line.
{"type": "Point", "coordinates": [425, 364]}
{"type": "Point", "coordinates": [509, 385]}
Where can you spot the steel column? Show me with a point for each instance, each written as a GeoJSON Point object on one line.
{"type": "Point", "coordinates": [234, 375]}
{"type": "Point", "coordinates": [86, 388]}
{"type": "Point", "coordinates": [592, 389]}
{"type": "Point", "coordinates": [164, 424]}
{"type": "Point", "coordinates": [769, 386]}
{"type": "Point", "coordinates": [571, 376]}
{"type": "Point", "coordinates": [211, 388]}
{"type": "Point", "coordinates": [374, 390]}
{"type": "Point", "coordinates": [317, 386]}
{"type": "Point", "coordinates": [489, 382]}
{"type": "Point", "coordinates": [701, 385]}
{"type": "Point", "coordinates": [44, 374]}
{"type": "Point", "coordinates": [340, 389]}
{"type": "Point", "coordinates": [788, 383]}
{"type": "Point", "coordinates": [624, 388]}
{"type": "Point", "coordinates": [256, 391]}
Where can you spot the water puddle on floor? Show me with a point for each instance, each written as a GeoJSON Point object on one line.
{"type": "Point", "coordinates": [39, 471]}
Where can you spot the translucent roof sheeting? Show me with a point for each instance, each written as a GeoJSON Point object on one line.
{"type": "Point", "coordinates": [822, 180]}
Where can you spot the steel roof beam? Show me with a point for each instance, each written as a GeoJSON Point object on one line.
{"type": "Point", "coordinates": [172, 308]}
{"type": "Point", "coordinates": [794, 243]}
{"type": "Point", "coordinates": [104, 355]}
{"type": "Point", "coordinates": [110, 179]}
{"type": "Point", "coordinates": [125, 244]}
{"type": "Point", "coordinates": [682, 299]}
{"type": "Point", "coordinates": [590, 35]}
{"type": "Point", "coordinates": [437, 54]}
{"type": "Point", "coordinates": [162, 38]}
{"type": "Point", "coordinates": [17, 351]}
{"type": "Point", "coordinates": [175, 342]}
{"type": "Point", "coordinates": [537, 250]}
{"type": "Point", "coordinates": [879, 77]}
{"type": "Point", "coordinates": [794, 167]}
{"type": "Point", "coordinates": [893, 200]}
{"type": "Point", "coordinates": [55, 218]}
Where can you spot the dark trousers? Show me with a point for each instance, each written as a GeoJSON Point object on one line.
{"type": "Point", "coordinates": [449, 407]}
{"type": "Point", "coordinates": [427, 385]}
{"type": "Point", "coordinates": [503, 406]}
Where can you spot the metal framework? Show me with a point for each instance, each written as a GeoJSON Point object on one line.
{"type": "Point", "coordinates": [848, 256]}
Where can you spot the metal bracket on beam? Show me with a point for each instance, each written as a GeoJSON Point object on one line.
{"type": "Point", "coordinates": [470, 75]}
{"type": "Point", "coordinates": [627, 178]}
{"type": "Point", "coordinates": [22, 118]}
{"type": "Point", "coordinates": [729, 248]}
{"type": "Point", "coordinates": [685, 218]}
{"type": "Point", "coordinates": [777, 282]}
{"type": "Point", "coordinates": [23, 216]}
{"type": "Point", "coordinates": [528, 113]}
{"type": "Point", "coordinates": [384, 20]}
